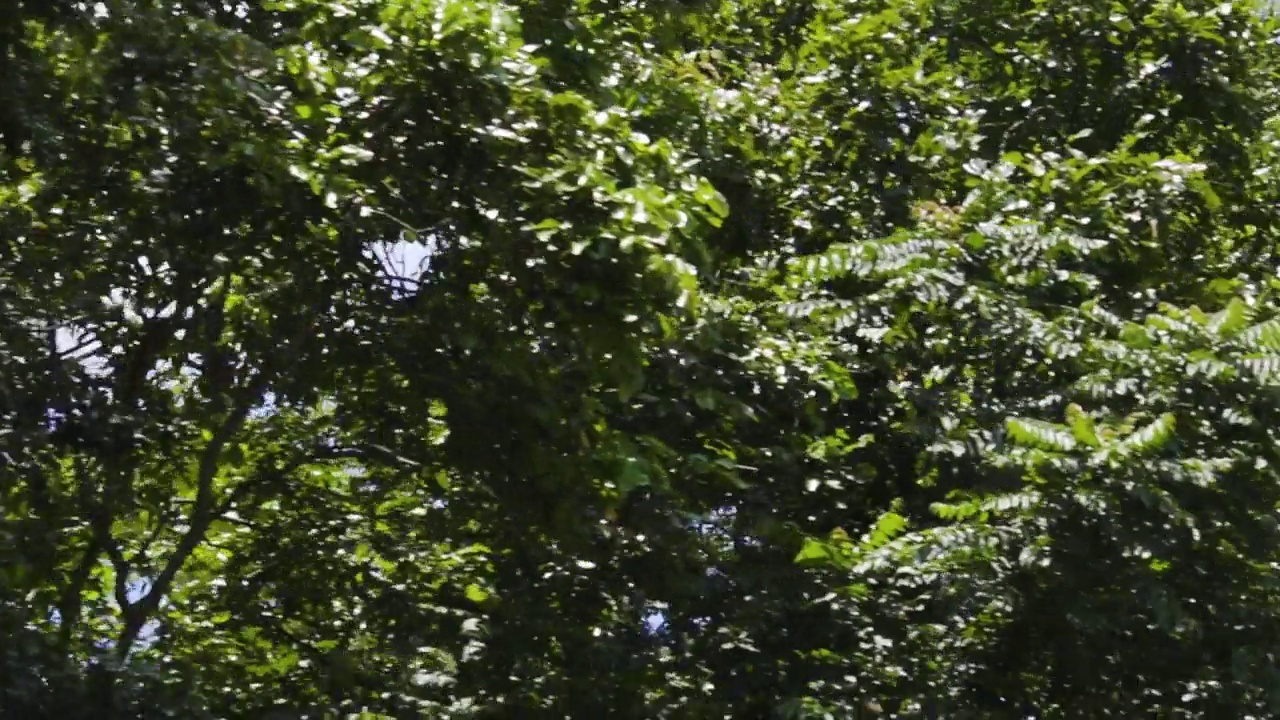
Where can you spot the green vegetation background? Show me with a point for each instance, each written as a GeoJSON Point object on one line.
{"type": "Point", "coordinates": [835, 359]}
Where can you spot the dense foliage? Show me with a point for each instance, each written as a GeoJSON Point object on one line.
{"type": "Point", "coordinates": [840, 359]}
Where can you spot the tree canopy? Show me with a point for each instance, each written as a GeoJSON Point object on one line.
{"type": "Point", "coordinates": [648, 359]}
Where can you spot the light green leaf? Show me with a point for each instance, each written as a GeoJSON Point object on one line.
{"type": "Point", "coordinates": [476, 594]}
{"type": "Point", "coordinates": [813, 551]}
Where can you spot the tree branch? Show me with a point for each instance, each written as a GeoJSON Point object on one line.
{"type": "Point", "coordinates": [202, 516]}
{"type": "Point", "coordinates": [122, 569]}
{"type": "Point", "coordinates": [206, 506]}
{"type": "Point", "coordinates": [72, 595]}
{"type": "Point", "coordinates": [71, 353]}
{"type": "Point", "coordinates": [101, 511]}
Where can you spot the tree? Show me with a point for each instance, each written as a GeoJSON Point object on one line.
{"type": "Point", "coordinates": [896, 358]}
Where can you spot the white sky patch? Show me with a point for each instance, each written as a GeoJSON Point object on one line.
{"type": "Point", "coordinates": [404, 262]}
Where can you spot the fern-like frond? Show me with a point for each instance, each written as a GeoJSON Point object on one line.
{"type": "Point", "coordinates": [1208, 366]}
{"type": "Point", "coordinates": [1030, 243]}
{"type": "Point", "coordinates": [1231, 319]}
{"type": "Point", "coordinates": [872, 258]}
{"type": "Point", "coordinates": [1041, 435]}
{"type": "Point", "coordinates": [1260, 337]}
{"type": "Point", "coordinates": [1151, 437]}
{"type": "Point", "coordinates": [1264, 368]}
{"type": "Point", "coordinates": [839, 260]}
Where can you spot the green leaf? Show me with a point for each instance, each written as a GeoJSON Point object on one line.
{"type": "Point", "coordinates": [707, 194]}
{"type": "Point", "coordinates": [1083, 428]}
{"type": "Point", "coordinates": [632, 476]}
{"type": "Point", "coordinates": [889, 526]}
{"type": "Point", "coordinates": [476, 594]}
{"type": "Point", "coordinates": [813, 551]}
